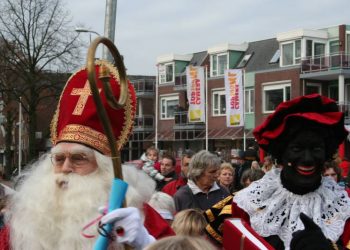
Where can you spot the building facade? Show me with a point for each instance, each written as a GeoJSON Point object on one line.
{"type": "Point", "coordinates": [292, 64]}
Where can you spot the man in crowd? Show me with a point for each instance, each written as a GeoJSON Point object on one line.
{"type": "Point", "coordinates": [62, 191]}
{"type": "Point", "coordinates": [167, 169]}
{"type": "Point", "coordinates": [174, 185]}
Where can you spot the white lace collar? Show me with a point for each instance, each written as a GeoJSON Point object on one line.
{"type": "Point", "coordinates": [274, 210]}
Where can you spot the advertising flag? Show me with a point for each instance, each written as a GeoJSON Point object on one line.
{"type": "Point", "coordinates": [234, 98]}
{"type": "Point", "coordinates": [195, 93]}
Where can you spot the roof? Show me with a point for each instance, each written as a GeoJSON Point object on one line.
{"type": "Point", "coordinates": [262, 51]}
{"type": "Point", "coordinates": [198, 58]}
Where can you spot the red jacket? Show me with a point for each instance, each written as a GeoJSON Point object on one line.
{"type": "Point", "coordinates": [174, 185]}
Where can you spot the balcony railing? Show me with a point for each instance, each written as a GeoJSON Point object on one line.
{"type": "Point", "coordinates": [325, 62]}
{"type": "Point", "coordinates": [144, 85]}
{"type": "Point", "coordinates": [180, 82]}
{"type": "Point", "coordinates": [144, 123]}
{"type": "Point", "coordinates": [181, 121]}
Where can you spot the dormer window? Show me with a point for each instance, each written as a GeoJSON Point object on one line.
{"type": "Point", "coordinates": [291, 53]}
{"type": "Point", "coordinates": [166, 73]}
{"type": "Point", "coordinates": [218, 64]}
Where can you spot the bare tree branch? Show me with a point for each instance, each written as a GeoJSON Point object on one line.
{"type": "Point", "coordinates": [37, 38]}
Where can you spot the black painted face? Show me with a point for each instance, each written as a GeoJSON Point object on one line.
{"type": "Point", "coordinates": [302, 161]}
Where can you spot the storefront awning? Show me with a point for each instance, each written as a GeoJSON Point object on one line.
{"type": "Point", "coordinates": [225, 134]}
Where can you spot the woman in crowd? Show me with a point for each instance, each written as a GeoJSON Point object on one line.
{"type": "Point", "coordinates": [268, 164]}
{"type": "Point", "coordinates": [226, 175]}
{"type": "Point", "coordinates": [201, 191]}
{"type": "Point", "coordinates": [180, 243]}
{"type": "Point", "coordinates": [189, 222]}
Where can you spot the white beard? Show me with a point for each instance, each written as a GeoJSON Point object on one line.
{"type": "Point", "coordinates": [49, 210]}
{"type": "Point", "coordinates": [46, 215]}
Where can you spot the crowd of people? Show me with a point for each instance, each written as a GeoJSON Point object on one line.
{"type": "Point", "coordinates": [295, 198]}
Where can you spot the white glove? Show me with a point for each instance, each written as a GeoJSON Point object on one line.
{"type": "Point", "coordinates": [129, 219]}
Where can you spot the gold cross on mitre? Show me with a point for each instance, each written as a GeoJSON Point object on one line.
{"type": "Point", "coordinates": [84, 94]}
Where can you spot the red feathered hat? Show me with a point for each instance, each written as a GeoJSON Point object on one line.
{"type": "Point", "coordinates": [313, 108]}
{"type": "Point", "coordinates": [76, 118]}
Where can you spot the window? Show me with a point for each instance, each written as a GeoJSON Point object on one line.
{"type": "Point", "coordinates": [333, 92]}
{"type": "Point", "coordinates": [274, 95]}
{"type": "Point", "coordinates": [219, 102]}
{"type": "Point", "coordinates": [291, 53]}
{"type": "Point", "coordinates": [347, 93]}
{"type": "Point", "coordinates": [309, 48]}
{"type": "Point", "coordinates": [166, 73]}
{"type": "Point", "coordinates": [249, 101]}
{"type": "Point", "coordinates": [244, 61]}
{"type": "Point", "coordinates": [168, 105]}
{"type": "Point", "coordinates": [334, 47]}
{"type": "Point", "coordinates": [287, 54]}
{"type": "Point", "coordinates": [218, 64]}
{"type": "Point", "coordinates": [319, 49]}
{"type": "Point", "coordinates": [312, 88]}
{"type": "Point", "coordinates": [297, 51]}
{"type": "Point", "coordinates": [314, 48]}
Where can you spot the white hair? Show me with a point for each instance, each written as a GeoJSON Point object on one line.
{"type": "Point", "coordinates": [164, 204]}
{"type": "Point", "coordinates": [43, 215]}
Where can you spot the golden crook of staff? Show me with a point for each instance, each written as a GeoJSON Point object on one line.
{"type": "Point", "coordinates": [104, 76]}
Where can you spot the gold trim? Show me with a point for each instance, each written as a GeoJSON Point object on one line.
{"type": "Point", "coordinates": [213, 233]}
{"type": "Point", "coordinates": [85, 135]}
{"type": "Point", "coordinates": [226, 210]}
{"type": "Point", "coordinates": [241, 245]}
{"type": "Point", "coordinates": [335, 246]}
{"type": "Point", "coordinates": [210, 215]}
{"type": "Point", "coordinates": [223, 202]}
{"type": "Point", "coordinates": [348, 245]}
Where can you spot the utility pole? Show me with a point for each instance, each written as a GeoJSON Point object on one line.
{"type": "Point", "coordinates": [109, 32]}
{"type": "Point", "coordinates": [20, 137]}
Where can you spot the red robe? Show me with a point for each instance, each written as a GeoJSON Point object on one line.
{"type": "Point", "coordinates": [4, 238]}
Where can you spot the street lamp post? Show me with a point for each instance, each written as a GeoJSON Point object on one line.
{"type": "Point", "coordinates": [82, 30]}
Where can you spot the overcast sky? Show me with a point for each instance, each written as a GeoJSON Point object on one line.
{"type": "Point", "coordinates": [146, 29]}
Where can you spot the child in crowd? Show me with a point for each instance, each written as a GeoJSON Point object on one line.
{"type": "Point", "coordinates": [150, 163]}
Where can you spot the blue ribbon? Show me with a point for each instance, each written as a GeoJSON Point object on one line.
{"type": "Point", "coordinates": [116, 198]}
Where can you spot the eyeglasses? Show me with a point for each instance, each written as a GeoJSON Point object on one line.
{"type": "Point", "coordinates": [77, 159]}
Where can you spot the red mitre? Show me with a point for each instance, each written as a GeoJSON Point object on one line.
{"type": "Point", "coordinates": [315, 108]}
{"type": "Point", "coordinates": [76, 118]}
